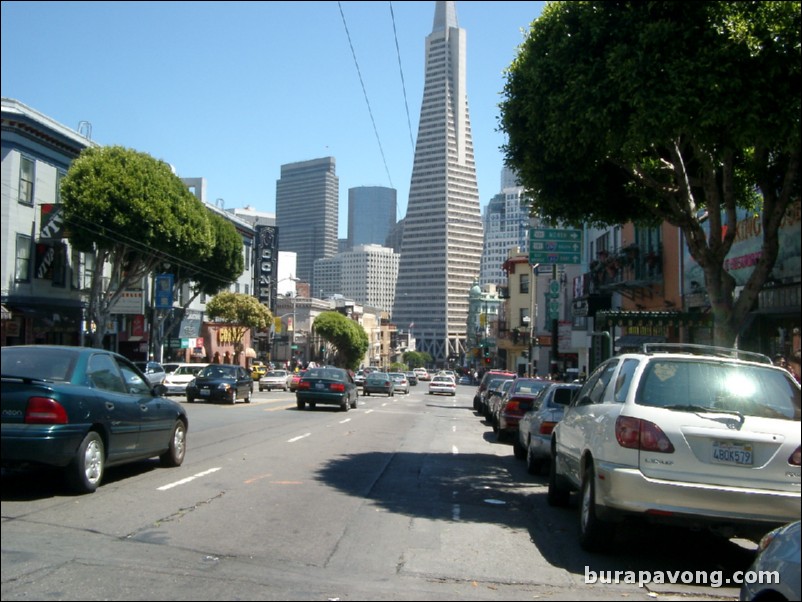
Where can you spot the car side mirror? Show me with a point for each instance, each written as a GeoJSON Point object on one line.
{"type": "Point", "coordinates": [159, 390]}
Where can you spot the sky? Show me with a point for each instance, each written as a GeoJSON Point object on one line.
{"type": "Point", "coordinates": [231, 91]}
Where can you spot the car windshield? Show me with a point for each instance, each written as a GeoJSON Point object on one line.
{"type": "Point", "coordinates": [43, 363]}
{"type": "Point", "coordinates": [698, 385]}
{"type": "Point", "coordinates": [529, 386]}
{"type": "Point", "coordinates": [187, 370]}
{"type": "Point", "coordinates": [277, 373]}
{"type": "Point", "coordinates": [216, 371]}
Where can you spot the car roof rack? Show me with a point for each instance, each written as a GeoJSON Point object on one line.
{"type": "Point", "coordinates": [695, 349]}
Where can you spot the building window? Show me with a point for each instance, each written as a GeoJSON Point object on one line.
{"type": "Point", "coordinates": [22, 267]}
{"type": "Point", "coordinates": [26, 178]}
{"type": "Point", "coordinates": [524, 284]}
{"type": "Point", "coordinates": [76, 265]}
{"type": "Point", "coordinates": [59, 177]}
{"type": "Point", "coordinates": [89, 270]}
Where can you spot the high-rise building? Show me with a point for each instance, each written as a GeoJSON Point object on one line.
{"type": "Point", "coordinates": [442, 242]}
{"type": "Point", "coordinates": [506, 222]}
{"type": "Point", "coordinates": [371, 215]}
{"type": "Point", "coordinates": [307, 197]}
{"type": "Point", "coordinates": [365, 274]}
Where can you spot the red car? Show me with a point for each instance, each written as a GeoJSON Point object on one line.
{"type": "Point", "coordinates": [295, 379]}
{"type": "Point", "coordinates": [516, 402]}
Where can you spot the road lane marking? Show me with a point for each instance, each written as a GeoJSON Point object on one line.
{"type": "Point", "coordinates": [294, 439]}
{"type": "Point", "coordinates": [188, 479]}
{"type": "Point", "coordinates": [344, 421]}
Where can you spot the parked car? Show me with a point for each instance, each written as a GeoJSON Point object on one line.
{"type": "Point", "coordinates": [486, 378]}
{"type": "Point", "coordinates": [533, 442]}
{"type": "Point", "coordinates": [327, 385]}
{"type": "Point", "coordinates": [491, 387]}
{"type": "Point", "coordinates": [179, 376]}
{"type": "Point", "coordinates": [442, 385]}
{"type": "Point", "coordinates": [517, 401]}
{"type": "Point", "coordinates": [687, 434]}
{"type": "Point", "coordinates": [154, 371]}
{"type": "Point", "coordinates": [295, 378]}
{"type": "Point", "coordinates": [778, 553]}
{"type": "Point", "coordinates": [84, 409]}
{"type": "Point", "coordinates": [228, 383]}
{"type": "Point", "coordinates": [378, 382]}
{"type": "Point", "coordinates": [493, 397]}
{"type": "Point", "coordinates": [258, 370]}
{"type": "Point", "coordinates": [400, 382]}
{"type": "Point", "coordinates": [412, 378]}
{"type": "Point", "coordinates": [275, 379]}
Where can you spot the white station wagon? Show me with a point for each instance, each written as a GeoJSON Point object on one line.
{"type": "Point", "coordinates": [686, 434]}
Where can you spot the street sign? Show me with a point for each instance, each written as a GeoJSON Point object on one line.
{"type": "Point", "coordinates": [555, 245]}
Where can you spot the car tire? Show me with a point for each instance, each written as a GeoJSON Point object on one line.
{"type": "Point", "coordinates": [518, 450]}
{"type": "Point", "coordinates": [300, 405]}
{"type": "Point", "coordinates": [355, 402]}
{"type": "Point", "coordinates": [534, 466]}
{"type": "Point", "coordinates": [174, 456]}
{"type": "Point", "coordinates": [558, 494]}
{"type": "Point", "coordinates": [367, 393]}
{"type": "Point", "coordinates": [262, 389]}
{"type": "Point", "coordinates": [247, 397]}
{"type": "Point", "coordinates": [86, 470]}
{"type": "Point", "coordinates": [190, 399]}
{"type": "Point", "coordinates": [344, 405]}
{"type": "Point", "coordinates": [595, 535]}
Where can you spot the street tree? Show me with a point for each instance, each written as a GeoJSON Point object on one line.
{"type": "Point", "coordinates": [417, 359]}
{"type": "Point", "coordinates": [129, 214]}
{"type": "Point", "coordinates": [240, 313]}
{"type": "Point", "coordinates": [647, 112]}
{"type": "Point", "coordinates": [346, 335]}
{"type": "Point", "coordinates": [207, 275]}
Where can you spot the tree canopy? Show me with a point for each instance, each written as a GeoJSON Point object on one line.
{"type": "Point", "coordinates": [240, 312]}
{"type": "Point", "coordinates": [663, 111]}
{"type": "Point", "coordinates": [132, 213]}
{"type": "Point", "coordinates": [347, 336]}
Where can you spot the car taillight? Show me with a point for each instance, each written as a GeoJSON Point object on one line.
{"type": "Point", "coordinates": [337, 387]}
{"type": "Point", "coordinates": [44, 410]}
{"type": "Point", "coordinates": [796, 457]}
{"type": "Point", "coordinates": [303, 384]}
{"type": "Point", "coordinates": [547, 427]}
{"type": "Point", "coordinates": [635, 433]}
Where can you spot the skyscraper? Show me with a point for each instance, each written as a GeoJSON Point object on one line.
{"type": "Point", "coordinates": [371, 215]}
{"type": "Point", "coordinates": [307, 196]}
{"type": "Point", "coordinates": [442, 243]}
{"type": "Point", "coordinates": [506, 223]}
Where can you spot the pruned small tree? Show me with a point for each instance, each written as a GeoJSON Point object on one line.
{"type": "Point", "coordinates": [240, 313]}
{"type": "Point", "coordinates": [347, 336]}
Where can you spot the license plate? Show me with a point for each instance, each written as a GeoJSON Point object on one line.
{"type": "Point", "coordinates": [320, 386]}
{"type": "Point", "coordinates": [726, 452]}
{"type": "Point", "coordinates": [205, 392]}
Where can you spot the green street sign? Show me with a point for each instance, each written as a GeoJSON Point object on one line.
{"type": "Point", "coordinates": [555, 245]}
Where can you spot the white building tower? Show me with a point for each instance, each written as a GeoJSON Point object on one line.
{"type": "Point", "coordinates": [442, 243]}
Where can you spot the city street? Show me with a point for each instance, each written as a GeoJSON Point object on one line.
{"type": "Point", "coordinates": [403, 498]}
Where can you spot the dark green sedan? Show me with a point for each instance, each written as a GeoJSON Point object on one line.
{"type": "Point", "coordinates": [327, 385]}
{"type": "Point", "coordinates": [83, 409]}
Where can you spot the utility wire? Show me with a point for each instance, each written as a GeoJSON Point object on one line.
{"type": "Point", "coordinates": [403, 83]}
{"type": "Point", "coordinates": [361, 81]}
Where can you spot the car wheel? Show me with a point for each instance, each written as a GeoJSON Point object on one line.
{"type": "Point", "coordinates": [174, 456]}
{"type": "Point", "coordinates": [190, 399]}
{"type": "Point", "coordinates": [518, 450]}
{"type": "Point", "coordinates": [248, 397]}
{"type": "Point", "coordinates": [533, 465]}
{"type": "Point", "coordinates": [558, 494]}
{"type": "Point", "coordinates": [355, 402]}
{"type": "Point", "coordinates": [262, 389]}
{"type": "Point", "coordinates": [594, 534]}
{"type": "Point", "coordinates": [344, 405]}
{"type": "Point", "coordinates": [86, 469]}
{"type": "Point", "coordinates": [300, 405]}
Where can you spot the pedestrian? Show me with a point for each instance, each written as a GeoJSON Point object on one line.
{"type": "Point", "coordinates": [216, 359]}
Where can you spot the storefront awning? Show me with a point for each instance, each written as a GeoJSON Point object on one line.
{"type": "Point", "coordinates": [5, 314]}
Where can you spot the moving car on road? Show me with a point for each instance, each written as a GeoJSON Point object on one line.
{"type": "Point", "coordinates": [154, 371]}
{"type": "Point", "coordinates": [327, 385]}
{"type": "Point", "coordinates": [84, 409]}
{"type": "Point", "coordinates": [179, 376]}
{"type": "Point", "coordinates": [378, 382]}
{"type": "Point", "coordinates": [275, 379]}
{"type": "Point", "coordinates": [400, 382]}
{"type": "Point", "coordinates": [442, 384]}
{"type": "Point", "coordinates": [228, 383]}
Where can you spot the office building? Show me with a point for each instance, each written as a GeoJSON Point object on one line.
{"type": "Point", "coordinates": [307, 195]}
{"type": "Point", "coordinates": [371, 215]}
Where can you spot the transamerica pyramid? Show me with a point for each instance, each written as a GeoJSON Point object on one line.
{"type": "Point", "coordinates": [441, 247]}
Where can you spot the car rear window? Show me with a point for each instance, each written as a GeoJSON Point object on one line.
{"type": "Point", "coordinates": [27, 362]}
{"type": "Point", "coordinates": [325, 373]}
{"type": "Point", "coordinates": [749, 390]}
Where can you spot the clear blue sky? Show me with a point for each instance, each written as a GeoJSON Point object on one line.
{"type": "Point", "coordinates": [230, 91]}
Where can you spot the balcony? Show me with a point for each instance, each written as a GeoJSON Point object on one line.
{"type": "Point", "coordinates": [628, 271]}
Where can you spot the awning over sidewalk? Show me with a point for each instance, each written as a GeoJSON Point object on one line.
{"type": "Point", "coordinates": [630, 341]}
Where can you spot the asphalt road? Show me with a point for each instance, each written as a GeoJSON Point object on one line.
{"type": "Point", "coordinates": [403, 498]}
